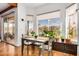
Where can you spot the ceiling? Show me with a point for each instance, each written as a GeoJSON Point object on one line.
{"type": "Point", "coordinates": [3, 6]}
{"type": "Point", "coordinates": [34, 5]}
{"type": "Point", "coordinates": [43, 7]}
{"type": "Point", "coordinates": [29, 5]}
{"type": "Point", "coordinates": [37, 5]}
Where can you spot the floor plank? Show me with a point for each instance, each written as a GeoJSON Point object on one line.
{"type": "Point", "coordinates": [9, 50]}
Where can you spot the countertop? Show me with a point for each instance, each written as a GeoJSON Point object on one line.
{"type": "Point", "coordinates": [71, 42]}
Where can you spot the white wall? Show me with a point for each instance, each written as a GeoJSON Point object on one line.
{"type": "Point", "coordinates": [78, 30]}
{"type": "Point", "coordinates": [30, 11]}
{"type": "Point", "coordinates": [0, 25]}
{"type": "Point", "coordinates": [21, 14]}
{"type": "Point", "coordinates": [1, 28]}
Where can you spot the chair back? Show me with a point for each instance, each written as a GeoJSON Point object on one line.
{"type": "Point", "coordinates": [50, 43]}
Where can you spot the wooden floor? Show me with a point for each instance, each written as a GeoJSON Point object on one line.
{"type": "Point", "coordinates": [9, 50]}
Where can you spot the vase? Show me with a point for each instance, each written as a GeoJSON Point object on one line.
{"type": "Point", "coordinates": [35, 37]}
{"type": "Point", "coordinates": [62, 40]}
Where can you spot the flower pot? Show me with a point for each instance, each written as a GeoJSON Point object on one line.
{"type": "Point", "coordinates": [36, 37]}
{"type": "Point", "coordinates": [57, 39]}
{"type": "Point", "coordinates": [62, 40]}
{"type": "Point", "coordinates": [68, 41]}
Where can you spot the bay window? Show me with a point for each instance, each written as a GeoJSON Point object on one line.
{"type": "Point", "coordinates": [49, 22]}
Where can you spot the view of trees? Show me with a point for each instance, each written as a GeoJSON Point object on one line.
{"type": "Point", "coordinates": [45, 29]}
{"type": "Point", "coordinates": [72, 22]}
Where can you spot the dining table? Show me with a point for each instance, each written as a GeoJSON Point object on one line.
{"type": "Point", "coordinates": [34, 40]}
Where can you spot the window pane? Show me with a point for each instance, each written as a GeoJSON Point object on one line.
{"type": "Point", "coordinates": [55, 26]}
{"type": "Point", "coordinates": [71, 17]}
{"type": "Point", "coordinates": [42, 26]}
{"type": "Point", "coordinates": [29, 25]}
{"type": "Point", "coordinates": [49, 23]}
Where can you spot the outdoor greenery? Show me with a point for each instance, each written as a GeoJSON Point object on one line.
{"type": "Point", "coordinates": [62, 37]}
{"type": "Point", "coordinates": [72, 32]}
{"type": "Point", "coordinates": [50, 34]}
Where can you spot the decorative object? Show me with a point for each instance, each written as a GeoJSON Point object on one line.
{"type": "Point", "coordinates": [62, 38]}
{"type": "Point", "coordinates": [57, 39]}
{"type": "Point", "coordinates": [34, 34]}
{"type": "Point", "coordinates": [68, 41]}
{"type": "Point", "coordinates": [50, 34]}
{"type": "Point", "coordinates": [22, 19]}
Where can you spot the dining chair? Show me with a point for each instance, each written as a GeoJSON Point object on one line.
{"type": "Point", "coordinates": [47, 47]}
{"type": "Point", "coordinates": [26, 43]}
{"type": "Point", "coordinates": [35, 44]}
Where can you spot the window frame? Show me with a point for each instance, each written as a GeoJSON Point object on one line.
{"type": "Point", "coordinates": [48, 21]}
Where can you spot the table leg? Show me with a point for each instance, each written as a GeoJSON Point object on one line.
{"type": "Point", "coordinates": [33, 49]}
{"type": "Point", "coordinates": [39, 52]}
{"type": "Point", "coordinates": [22, 46]}
{"type": "Point", "coordinates": [49, 53]}
{"type": "Point", "coordinates": [27, 50]}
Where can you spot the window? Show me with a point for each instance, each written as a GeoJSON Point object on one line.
{"type": "Point", "coordinates": [55, 25]}
{"type": "Point", "coordinates": [42, 26]}
{"type": "Point", "coordinates": [71, 16]}
{"type": "Point", "coordinates": [29, 25]}
{"type": "Point", "coordinates": [49, 22]}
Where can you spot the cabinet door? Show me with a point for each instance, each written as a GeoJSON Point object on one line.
{"type": "Point", "coordinates": [72, 49]}
{"type": "Point", "coordinates": [58, 47]}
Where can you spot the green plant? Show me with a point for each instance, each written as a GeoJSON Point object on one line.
{"type": "Point", "coordinates": [62, 37]}
{"type": "Point", "coordinates": [50, 33]}
{"type": "Point", "coordinates": [33, 33]}
{"type": "Point", "coordinates": [45, 33]}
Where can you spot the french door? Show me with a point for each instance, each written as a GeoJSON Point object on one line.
{"type": "Point", "coordinates": [9, 29]}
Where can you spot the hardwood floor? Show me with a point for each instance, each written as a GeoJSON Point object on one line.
{"type": "Point", "coordinates": [9, 50]}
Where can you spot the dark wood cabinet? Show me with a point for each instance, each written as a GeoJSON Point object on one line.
{"type": "Point", "coordinates": [71, 48]}
{"type": "Point", "coordinates": [58, 46]}
{"type": "Point", "coordinates": [65, 47]}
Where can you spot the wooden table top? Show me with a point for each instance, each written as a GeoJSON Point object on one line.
{"type": "Point", "coordinates": [35, 39]}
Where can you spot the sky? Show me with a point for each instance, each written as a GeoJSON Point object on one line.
{"type": "Point", "coordinates": [43, 22]}
{"type": "Point", "coordinates": [53, 21]}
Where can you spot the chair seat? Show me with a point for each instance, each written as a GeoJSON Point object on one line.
{"type": "Point", "coordinates": [27, 43]}
{"type": "Point", "coordinates": [38, 44]}
{"type": "Point", "coordinates": [46, 47]}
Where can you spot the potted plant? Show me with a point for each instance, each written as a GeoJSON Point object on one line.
{"type": "Point", "coordinates": [68, 40]}
{"type": "Point", "coordinates": [62, 38]}
{"type": "Point", "coordinates": [34, 34]}
{"type": "Point", "coordinates": [51, 35]}
{"type": "Point", "coordinates": [57, 38]}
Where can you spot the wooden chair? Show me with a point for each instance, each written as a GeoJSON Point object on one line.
{"type": "Point", "coordinates": [47, 47]}
{"type": "Point", "coordinates": [26, 43]}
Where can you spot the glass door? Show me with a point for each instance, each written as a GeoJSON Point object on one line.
{"type": "Point", "coordinates": [9, 29]}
